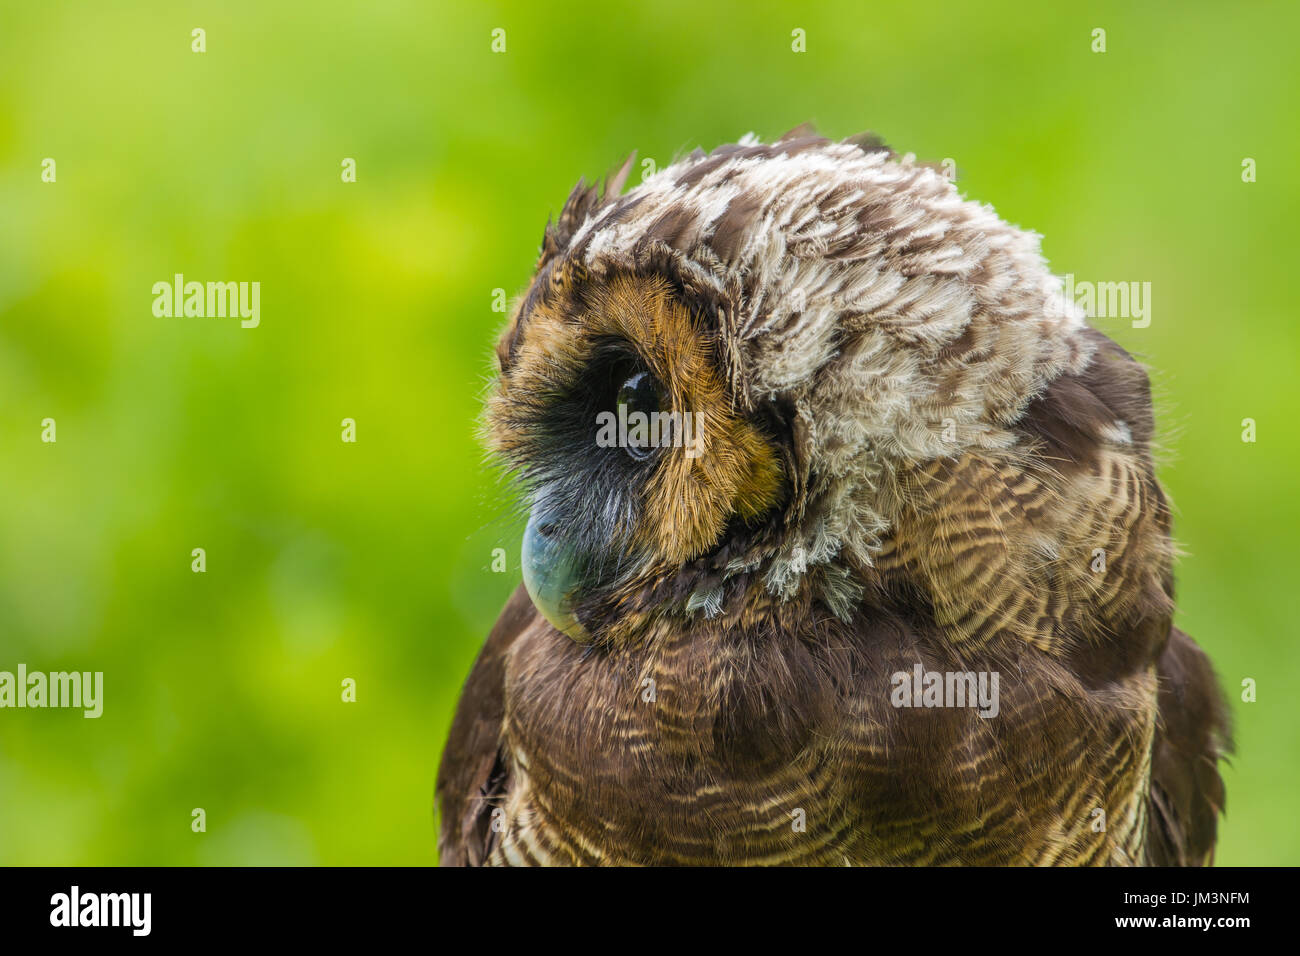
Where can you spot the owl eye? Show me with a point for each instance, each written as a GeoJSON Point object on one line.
{"type": "Point", "coordinates": [639, 399]}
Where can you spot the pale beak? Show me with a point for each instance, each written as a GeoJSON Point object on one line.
{"type": "Point", "coordinates": [554, 574]}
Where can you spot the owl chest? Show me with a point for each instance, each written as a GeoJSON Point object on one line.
{"type": "Point", "coordinates": [667, 759]}
{"type": "Point", "coordinates": [655, 814]}
{"type": "Point", "coordinates": [715, 759]}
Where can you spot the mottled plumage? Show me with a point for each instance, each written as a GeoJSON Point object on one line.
{"type": "Point", "coordinates": [916, 451]}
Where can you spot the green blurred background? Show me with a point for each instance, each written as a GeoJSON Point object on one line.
{"type": "Point", "coordinates": [371, 561]}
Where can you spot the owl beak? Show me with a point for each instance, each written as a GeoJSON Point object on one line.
{"type": "Point", "coordinates": [554, 573]}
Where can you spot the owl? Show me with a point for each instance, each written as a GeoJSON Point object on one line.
{"type": "Point", "coordinates": [844, 543]}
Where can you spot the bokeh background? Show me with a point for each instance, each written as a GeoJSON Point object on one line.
{"type": "Point", "coordinates": [371, 560]}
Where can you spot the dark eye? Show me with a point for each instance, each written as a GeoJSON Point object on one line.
{"type": "Point", "coordinates": [638, 403]}
{"type": "Point", "coordinates": [640, 393]}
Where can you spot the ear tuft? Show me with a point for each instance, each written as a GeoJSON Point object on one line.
{"type": "Point", "coordinates": [870, 143]}
{"type": "Point", "coordinates": [802, 131]}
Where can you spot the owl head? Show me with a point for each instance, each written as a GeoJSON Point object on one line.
{"type": "Point", "coordinates": [714, 379]}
